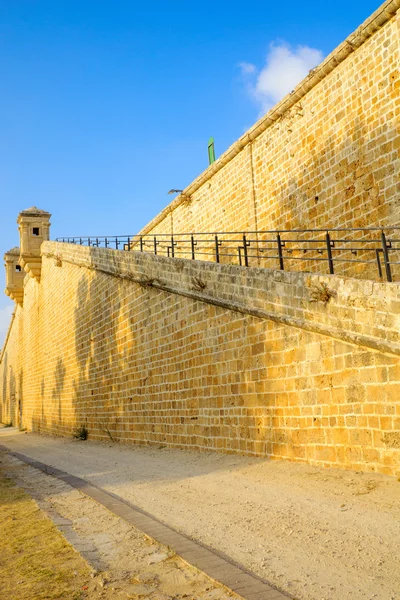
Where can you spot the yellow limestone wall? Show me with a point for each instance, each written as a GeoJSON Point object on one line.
{"type": "Point", "coordinates": [327, 156]}
{"type": "Point", "coordinates": [146, 349]}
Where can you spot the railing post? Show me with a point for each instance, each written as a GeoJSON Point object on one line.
{"type": "Point", "coordinates": [88, 242]}
{"type": "Point", "coordinates": [329, 250]}
{"type": "Point", "coordinates": [172, 247]}
{"type": "Point", "coordinates": [141, 244]}
{"type": "Point", "coordinates": [216, 249]}
{"type": "Point", "coordinates": [192, 245]}
{"type": "Point", "coordinates": [106, 242]}
{"type": "Point", "coordinates": [245, 245]}
{"type": "Point", "coordinates": [116, 243]}
{"type": "Point", "coordinates": [386, 257]}
{"type": "Point", "coordinates": [378, 260]}
{"type": "Point", "coordinates": [155, 244]}
{"type": "Point", "coordinates": [280, 253]}
{"type": "Point", "coordinates": [128, 243]}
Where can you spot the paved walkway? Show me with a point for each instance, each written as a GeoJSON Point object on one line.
{"type": "Point", "coordinates": [246, 585]}
{"type": "Point", "coordinates": [312, 533]}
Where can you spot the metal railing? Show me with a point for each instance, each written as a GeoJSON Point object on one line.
{"type": "Point", "coordinates": [369, 252]}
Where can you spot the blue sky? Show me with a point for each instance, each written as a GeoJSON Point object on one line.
{"type": "Point", "coordinates": [105, 105]}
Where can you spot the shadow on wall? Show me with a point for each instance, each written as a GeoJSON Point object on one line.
{"type": "Point", "coordinates": [97, 404]}
{"type": "Point", "coordinates": [21, 398]}
{"type": "Point", "coordinates": [312, 200]}
{"type": "Point", "coordinates": [139, 379]}
{"type": "Point", "coordinates": [12, 401]}
{"type": "Point", "coordinates": [40, 422]}
{"type": "Point", "coordinates": [136, 379]}
{"type": "Point", "coordinates": [59, 377]}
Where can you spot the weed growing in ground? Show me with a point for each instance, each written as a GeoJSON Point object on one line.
{"type": "Point", "coordinates": [80, 433]}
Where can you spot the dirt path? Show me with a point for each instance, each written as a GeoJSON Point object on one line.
{"type": "Point", "coordinates": [125, 564]}
{"type": "Point", "coordinates": [317, 534]}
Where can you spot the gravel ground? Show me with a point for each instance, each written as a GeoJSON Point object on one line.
{"type": "Point", "coordinates": [318, 534]}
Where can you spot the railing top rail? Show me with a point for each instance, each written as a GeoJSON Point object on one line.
{"type": "Point", "coordinates": [242, 232]}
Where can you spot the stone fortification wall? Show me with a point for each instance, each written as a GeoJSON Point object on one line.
{"type": "Point", "coordinates": [327, 156]}
{"type": "Point", "coordinates": [145, 349]}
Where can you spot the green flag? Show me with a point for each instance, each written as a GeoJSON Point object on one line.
{"type": "Point", "coordinates": [211, 151]}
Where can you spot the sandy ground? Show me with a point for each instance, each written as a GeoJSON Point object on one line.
{"type": "Point", "coordinates": [125, 563]}
{"type": "Point", "coordinates": [318, 534]}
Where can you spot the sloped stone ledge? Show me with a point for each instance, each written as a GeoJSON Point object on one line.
{"type": "Point", "coordinates": [360, 312]}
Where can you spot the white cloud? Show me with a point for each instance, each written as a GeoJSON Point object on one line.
{"type": "Point", "coordinates": [247, 68]}
{"type": "Point", "coordinates": [284, 68]}
{"type": "Point", "coordinates": [5, 318]}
